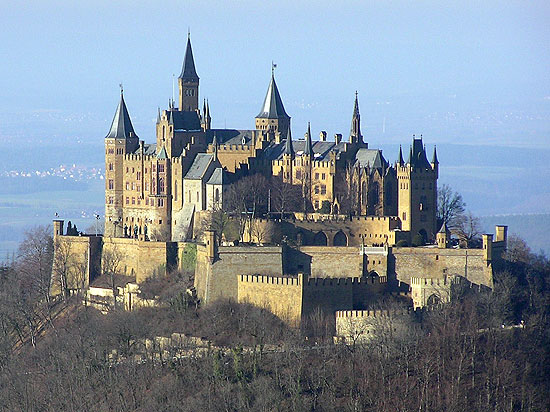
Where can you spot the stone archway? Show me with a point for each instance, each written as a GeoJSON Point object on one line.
{"type": "Point", "coordinates": [433, 299]}
{"type": "Point", "coordinates": [340, 239]}
{"type": "Point", "coordinates": [320, 239]}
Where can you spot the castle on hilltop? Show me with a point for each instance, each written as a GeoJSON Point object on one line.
{"type": "Point", "coordinates": [344, 251]}
{"type": "Point", "coordinates": [155, 190]}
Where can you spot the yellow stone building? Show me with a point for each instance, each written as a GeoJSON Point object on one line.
{"type": "Point", "coordinates": [154, 191]}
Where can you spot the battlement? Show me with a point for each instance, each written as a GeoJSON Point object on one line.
{"type": "Point", "coordinates": [447, 280]}
{"type": "Point", "coordinates": [272, 280]}
{"type": "Point", "coordinates": [378, 313]}
{"type": "Point", "coordinates": [230, 148]}
{"type": "Point", "coordinates": [320, 282]}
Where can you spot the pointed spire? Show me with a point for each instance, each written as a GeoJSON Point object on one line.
{"type": "Point", "coordinates": [162, 154]}
{"type": "Point", "coordinates": [207, 109]}
{"type": "Point", "coordinates": [171, 118]}
{"type": "Point", "coordinates": [215, 146]}
{"type": "Point", "coordinates": [204, 108]}
{"type": "Point", "coordinates": [158, 115]}
{"type": "Point", "coordinates": [434, 157]}
{"type": "Point", "coordinates": [273, 104]}
{"type": "Point", "coordinates": [444, 228]}
{"type": "Point", "coordinates": [289, 150]}
{"type": "Point", "coordinates": [188, 71]}
{"type": "Point", "coordinates": [410, 155]}
{"type": "Point", "coordinates": [121, 127]}
{"type": "Point", "coordinates": [401, 162]}
{"type": "Point", "coordinates": [355, 132]}
{"type": "Point", "coordinates": [309, 147]}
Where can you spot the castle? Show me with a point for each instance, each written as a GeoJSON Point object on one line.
{"type": "Point", "coordinates": [155, 190]}
{"type": "Point", "coordinates": [345, 249]}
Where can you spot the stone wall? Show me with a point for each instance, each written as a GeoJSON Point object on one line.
{"type": "Point", "coordinates": [325, 262]}
{"type": "Point", "coordinates": [438, 263]}
{"type": "Point", "coordinates": [217, 278]}
{"type": "Point", "coordinates": [282, 296]}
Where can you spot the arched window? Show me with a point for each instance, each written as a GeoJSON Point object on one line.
{"type": "Point", "coordinates": [320, 239]}
{"type": "Point", "coordinates": [340, 239]}
{"type": "Point", "coordinates": [161, 185]}
{"type": "Point", "coordinates": [217, 195]}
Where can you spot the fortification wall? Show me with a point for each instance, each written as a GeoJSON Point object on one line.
{"type": "Point", "coordinates": [327, 295]}
{"type": "Point", "coordinates": [325, 261]}
{"type": "Point", "coordinates": [437, 263]}
{"type": "Point", "coordinates": [216, 278]}
{"type": "Point", "coordinates": [75, 263]}
{"type": "Point", "coordinates": [283, 296]}
{"type": "Point", "coordinates": [139, 258]}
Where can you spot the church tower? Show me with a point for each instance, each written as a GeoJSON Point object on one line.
{"type": "Point", "coordinates": [120, 140]}
{"type": "Point", "coordinates": [273, 117]}
{"type": "Point", "coordinates": [355, 132]}
{"type": "Point", "coordinates": [417, 191]}
{"type": "Point", "coordinates": [188, 82]}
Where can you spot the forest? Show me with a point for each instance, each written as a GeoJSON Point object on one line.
{"type": "Point", "coordinates": [485, 351]}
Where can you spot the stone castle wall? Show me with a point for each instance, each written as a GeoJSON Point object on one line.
{"type": "Point", "coordinates": [438, 263]}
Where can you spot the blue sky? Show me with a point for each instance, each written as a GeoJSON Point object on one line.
{"type": "Point", "coordinates": [472, 72]}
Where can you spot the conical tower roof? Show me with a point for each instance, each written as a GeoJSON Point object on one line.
{"type": "Point", "coordinates": [401, 161]}
{"type": "Point", "coordinates": [121, 128]}
{"type": "Point", "coordinates": [273, 104]}
{"type": "Point", "coordinates": [289, 150]}
{"type": "Point", "coordinates": [434, 157]}
{"type": "Point", "coordinates": [309, 146]}
{"type": "Point", "coordinates": [188, 71]}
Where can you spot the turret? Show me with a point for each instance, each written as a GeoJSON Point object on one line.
{"type": "Point", "coordinates": [272, 116]}
{"type": "Point", "coordinates": [58, 228]}
{"type": "Point", "coordinates": [308, 151]}
{"type": "Point", "coordinates": [435, 163]}
{"type": "Point", "coordinates": [188, 82]}
{"type": "Point", "coordinates": [400, 162]}
{"type": "Point", "coordinates": [443, 236]}
{"type": "Point", "coordinates": [355, 132]}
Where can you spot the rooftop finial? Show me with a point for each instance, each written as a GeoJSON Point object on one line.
{"type": "Point", "coordinates": [273, 67]}
{"type": "Point", "coordinates": [356, 94]}
{"type": "Point", "coordinates": [188, 32]}
{"type": "Point", "coordinates": [121, 89]}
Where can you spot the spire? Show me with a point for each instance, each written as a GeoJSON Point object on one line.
{"type": "Point", "coordinates": [273, 104]}
{"type": "Point", "coordinates": [171, 118]}
{"type": "Point", "coordinates": [355, 133]}
{"type": "Point", "coordinates": [158, 115]}
{"type": "Point", "coordinates": [204, 108]}
{"type": "Point", "coordinates": [434, 157]}
{"type": "Point", "coordinates": [208, 110]}
{"type": "Point", "coordinates": [444, 228]}
{"type": "Point", "coordinates": [121, 127]}
{"type": "Point", "coordinates": [401, 162]}
{"type": "Point", "coordinates": [188, 71]}
{"type": "Point", "coordinates": [215, 146]}
{"type": "Point", "coordinates": [308, 150]}
{"type": "Point", "coordinates": [289, 150]}
{"type": "Point", "coordinates": [410, 155]}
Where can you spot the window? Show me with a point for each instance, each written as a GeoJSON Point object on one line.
{"type": "Point", "coordinates": [133, 170]}
{"type": "Point", "coordinates": [127, 185]}
{"type": "Point", "coordinates": [147, 201]}
{"type": "Point", "coordinates": [176, 192]}
{"type": "Point", "coordinates": [111, 184]}
{"type": "Point", "coordinates": [126, 169]}
{"type": "Point", "coordinates": [316, 204]}
{"type": "Point", "coordinates": [110, 166]}
{"type": "Point", "coordinates": [161, 185]}
{"type": "Point", "coordinates": [110, 200]}
{"type": "Point", "coordinates": [217, 195]}
{"type": "Point", "coordinates": [316, 190]}
{"type": "Point", "coordinates": [160, 221]}
{"type": "Point", "coordinates": [160, 203]}
{"type": "Point", "coordinates": [146, 185]}
{"type": "Point", "coordinates": [145, 170]}
{"type": "Point", "coordinates": [133, 200]}
{"type": "Point", "coordinates": [323, 176]}
{"type": "Point", "coordinates": [298, 174]}
{"type": "Point", "coordinates": [323, 189]}
{"type": "Point", "coordinates": [316, 176]}
{"type": "Point", "coordinates": [133, 186]}
{"type": "Point", "coordinates": [138, 175]}
{"type": "Point", "coordinates": [404, 215]}
{"type": "Point", "coordinates": [127, 200]}
{"type": "Point", "coordinates": [197, 196]}
{"type": "Point", "coordinates": [161, 168]}
{"type": "Point", "coordinates": [138, 187]}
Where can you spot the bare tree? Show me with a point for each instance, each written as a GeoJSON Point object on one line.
{"type": "Point", "coordinates": [111, 267]}
{"type": "Point", "coordinates": [450, 206]}
{"type": "Point", "coordinates": [468, 230]}
{"type": "Point", "coordinates": [284, 196]}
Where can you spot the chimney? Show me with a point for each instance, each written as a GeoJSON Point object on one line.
{"type": "Point", "coordinates": [338, 138]}
{"type": "Point", "coordinates": [323, 136]}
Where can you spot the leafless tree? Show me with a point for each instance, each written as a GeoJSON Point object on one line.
{"type": "Point", "coordinates": [468, 230]}
{"type": "Point", "coordinates": [111, 268]}
{"type": "Point", "coordinates": [450, 206]}
{"type": "Point", "coordinates": [284, 196]}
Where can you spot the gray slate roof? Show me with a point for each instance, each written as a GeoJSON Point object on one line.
{"type": "Point", "coordinates": [188, 71]}
{"type": "Point", "coordinates": [229, 136]}
{"type": "Point", "coordinates": [417, 155]}
{"type": "Point", "coordinates": [219, 177]}
{"type": "Point", "coordinates": [273, 104]}
{"type": "Point", "coordinates": [320, 149]}
{"type": "Point", "coordinates": [121, 127]}
{"type": "Point", "coordinates": [162, 154]}
{"type": "Point", "coordinates": [150, 149]}
{"type": "Point", "coordinates": [371, 157]}
{"type": "Point", "coordinates": [199, 166]}
{"type": "Point", "coordinates": [185, 121]}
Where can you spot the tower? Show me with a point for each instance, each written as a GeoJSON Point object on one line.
{"type": "Point", "coordinates": [355, 132]}
{"type": "Point", "coordinates": [120, 140]}
{"type": "Point", "coordinates": [188, 82]}
{"type": "Point", "coordinates": [417, 192]}
{"type": "Point", "coordinates": [307, 160]}
{"type": "Point", "coordinates": [272, 116]}
{"type": "Point", "coordinates": [288, 159]}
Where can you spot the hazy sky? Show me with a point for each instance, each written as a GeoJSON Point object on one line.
{"type": "Point", "coordinates": [454, 71]}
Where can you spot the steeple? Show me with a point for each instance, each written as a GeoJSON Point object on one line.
{"type": "Point", "coordinates": [355, 133]}
{"type": "Point", "coordinates": [188, 71]}
{"type": "Point", "coordinates": [401, 161]}
{"type": "Point", "coordinates": [273, 109]}
{"type": "Point", "coordinates": [188, 82]}
{"type": "Point", "coordinates": [289, 150]}
{"type": "Point", "coordinates": [309, 147]}
{"type": "Point", "coordinates": [121, 127]}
